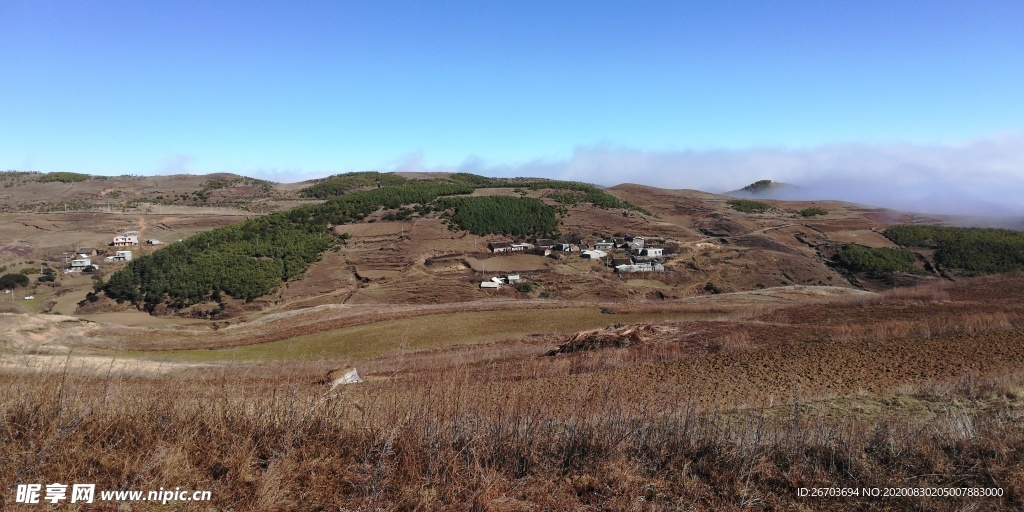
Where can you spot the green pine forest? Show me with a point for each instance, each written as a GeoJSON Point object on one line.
{"type": "Point", "coordinates": [974, 251]}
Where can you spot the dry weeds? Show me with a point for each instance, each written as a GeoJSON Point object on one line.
{"type": "Point", "coordinates": [265, 439]}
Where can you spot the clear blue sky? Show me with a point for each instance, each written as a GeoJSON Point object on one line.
{"type": "Point", "coordinates": [293, 89]}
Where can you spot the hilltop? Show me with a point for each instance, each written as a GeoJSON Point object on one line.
{"type": "Point", "coordinates": [764, 189]}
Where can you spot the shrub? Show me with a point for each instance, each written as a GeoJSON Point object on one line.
{"type": "Point", "coordinates": [524, 287]}
{"type": "Point", "coordinates": [748, 206]}
{"type": "Point", "coordinates": [812, 211]}
{"type": "Point", "coordinates": [13, 280]}
{"type": "Point", "coordinates": [63, 177]}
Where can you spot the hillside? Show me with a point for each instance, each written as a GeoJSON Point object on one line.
{"type": "Point", "coordinates": [785, 345]}
{"type": "Point", "coordinates": [373, 238]}
{"type": "Point", "coordinates": [66, 191]}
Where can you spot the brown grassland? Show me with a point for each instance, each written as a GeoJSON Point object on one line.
{"type": "Point", "coordinates": [911, 388]}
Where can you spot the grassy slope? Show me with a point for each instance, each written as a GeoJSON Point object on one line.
{"type": "Point", "coordinates": [411, 334]}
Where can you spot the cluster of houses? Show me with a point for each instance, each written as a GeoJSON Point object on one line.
{"type": "Point", "coordinates": [642, 257]}
{"type": "Point", "coordinates": [81, 260]}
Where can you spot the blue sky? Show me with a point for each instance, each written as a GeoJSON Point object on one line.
{"type": "Point", "coordinates": [291, 90]}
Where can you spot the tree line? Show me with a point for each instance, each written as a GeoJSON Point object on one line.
{"type": "Point", "coordinates": [972, 250]}
{"type": "Point", "coordinates": [878, 262]}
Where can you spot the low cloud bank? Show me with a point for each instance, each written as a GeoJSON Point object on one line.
{"type": "Point", "coordinates": [983, 177]}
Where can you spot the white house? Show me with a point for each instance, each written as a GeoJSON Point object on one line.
{"type": "Point", "coordinates": [513, 278]}
{"type": "Point", "coordinates": [121, 256]}
{"type": "Point", "coordinates": [604, 245]}
{"type": "Point", "coordinates": [652, 251]}
{"type": "Point", "coordinates": [80, 264]}
{"type": "Point", "coordinates": [126, 240]}
{"type": "Point", "coordinates": [490, 284]}
{"type": "Point", "coordinates": [594, 254]}
{"type": "Point", "coordinates": [641, 267]}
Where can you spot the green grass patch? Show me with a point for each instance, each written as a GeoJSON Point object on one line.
{"type": "Point", "coordinates": [647, 283]}
{"type": "Point", "coordinates": [413, 334]}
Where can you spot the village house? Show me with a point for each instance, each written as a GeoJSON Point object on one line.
{"type": "Point", "coordinates": [121, 256]}
{"type": "Point", "coordinates": [641, 267]}
{"type": "Point", "coordinates": [86, 252]}
{"type": "Point", "coordinates": [621, 261]}
{"type": "Point", "coordinates": [500, 247]}
{"type": "Point", "coordinates": [490, 284]}
{"type": "Point", "coordinates": [521, 247]}
{"type": "Point", "coordinates": [563, 247]}
{"type": "Point", "coordinates": [545, 243]}
{"type": "Point", "coordinates": [125, 240]}
{"type": "Point", "coordinates": [604, 245]}
{"type": "Point", "coordinates": [594, 254]}
{"type": "Point", "coordinates": [654, 252]}
{"type": "Point", "coordinates": [80, 264]}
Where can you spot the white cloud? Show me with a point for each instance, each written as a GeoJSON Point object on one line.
{"type": "Point", "coordinates": [980, 177]}
{"type": "Point", "coordinates": [977, 177]}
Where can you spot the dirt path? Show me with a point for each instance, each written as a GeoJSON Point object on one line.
{"type": "Point", "coordinates": [142, 228]}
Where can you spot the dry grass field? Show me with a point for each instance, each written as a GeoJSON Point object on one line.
{"type": "Point", "coordinates": [734, 408]}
